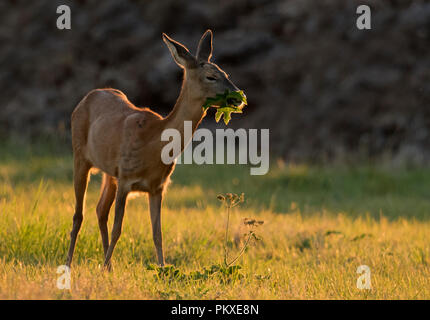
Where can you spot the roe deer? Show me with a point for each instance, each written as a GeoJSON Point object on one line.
{"type": "Point", "coordinates": [124, 142]}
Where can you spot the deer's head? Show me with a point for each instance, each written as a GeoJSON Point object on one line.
{"type": "Point", "coordinates": [206, 79]}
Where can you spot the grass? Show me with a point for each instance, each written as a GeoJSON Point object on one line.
{"type": "Point", "coordinates": [321, 224]}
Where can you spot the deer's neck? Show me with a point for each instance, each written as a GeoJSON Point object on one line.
{"type": "Point", "coordinates": [188, 107]}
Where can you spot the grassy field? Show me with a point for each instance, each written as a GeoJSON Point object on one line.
{"type": "Point", "coordinates": [321, 224]}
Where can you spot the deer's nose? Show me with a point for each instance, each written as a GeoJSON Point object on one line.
{"type": "Point", "coordinates": [232, 86]}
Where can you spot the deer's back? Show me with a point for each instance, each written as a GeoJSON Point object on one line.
{"type": "Point", "coordinates": [99, 125]}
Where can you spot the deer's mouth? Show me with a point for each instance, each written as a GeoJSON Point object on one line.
{"type": "Point", "coordinates": [229, 99]}
{"type": "Point", "coordinates": [233, 101]}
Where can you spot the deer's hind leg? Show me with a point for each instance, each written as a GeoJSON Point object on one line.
{"type": "Point", "coordinates": [120, 201]}
{"type": "Point", "coordinates": [80, 180]}
{"type": "Point", "coordinates": [108, 192]}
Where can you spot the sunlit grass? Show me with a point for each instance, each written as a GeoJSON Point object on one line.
{"type": "Point", "coordinates": [321, 223]}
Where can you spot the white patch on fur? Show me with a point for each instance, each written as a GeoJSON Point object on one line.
{"type": "Point", "coordinates": [134, 195]}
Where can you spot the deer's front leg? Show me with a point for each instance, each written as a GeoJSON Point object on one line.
{"type": "Point", "coordinates": [155, 209]}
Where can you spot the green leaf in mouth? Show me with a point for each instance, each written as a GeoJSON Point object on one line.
{"type": "Point", "coordinates": [226, 104]}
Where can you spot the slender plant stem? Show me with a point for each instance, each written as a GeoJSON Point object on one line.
{"type": "Point", "coordinates": [241, 251]}
{"type": "Point", "coordinates": [226, 235]}
{"type": "Point", "coordinates": [231, 202]}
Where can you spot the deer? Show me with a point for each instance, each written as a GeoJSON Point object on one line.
{"type": "Point", "coordinates": [123, 141]}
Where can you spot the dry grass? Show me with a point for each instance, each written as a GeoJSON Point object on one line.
{"type": "Point", "coordinates": [320, 225]}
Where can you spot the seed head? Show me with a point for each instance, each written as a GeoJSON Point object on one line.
{"type": "Point", "coordinates": [220, 197]}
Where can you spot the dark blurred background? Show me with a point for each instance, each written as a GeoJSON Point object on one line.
{"type": "Point", "coordinates": [325, 89]}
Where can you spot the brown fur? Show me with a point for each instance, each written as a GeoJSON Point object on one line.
{"type": "Point", "coordinates": [123, 141]}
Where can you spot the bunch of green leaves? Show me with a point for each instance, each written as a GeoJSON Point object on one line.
{"type": "Point", "coordinates": [225, 272]}
{"type": "Point", "coordinates": [171, 273]}
{"type": "Point", "coordinates": [168, 272]}
{"type": "Point", "coordinates": [227, 103]}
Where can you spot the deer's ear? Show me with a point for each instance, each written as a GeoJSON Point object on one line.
{"type": "Point", "coordinates": [180, 54]}
{"type": "Point", "coordinates": [204, 50]}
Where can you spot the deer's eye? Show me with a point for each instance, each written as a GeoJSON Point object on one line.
{"type": "Point", "coordinates": [211, 78]}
